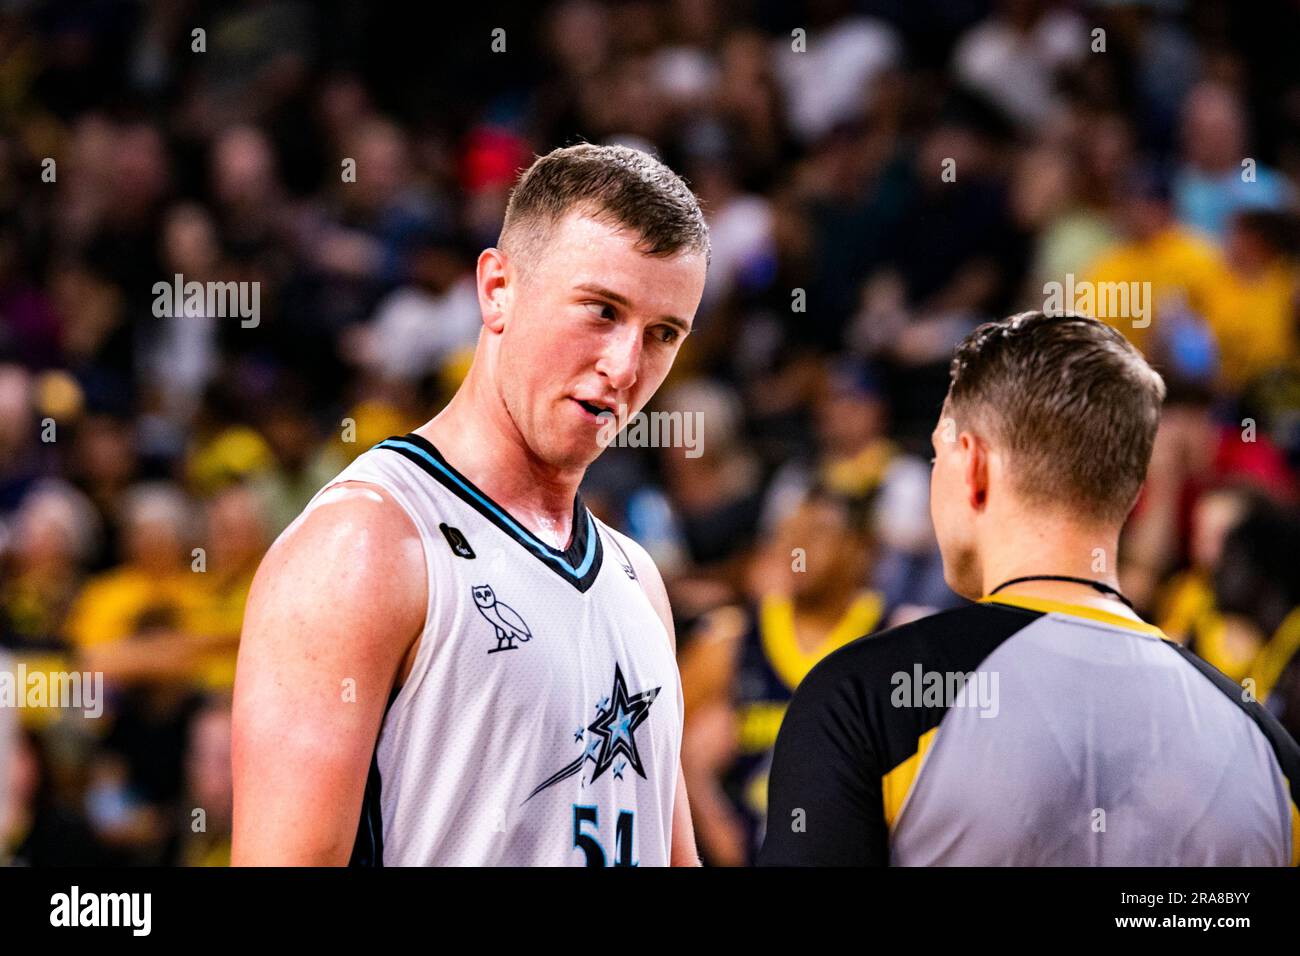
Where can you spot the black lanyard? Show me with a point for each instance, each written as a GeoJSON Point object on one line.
{"type": "Point", "coordinates": [1101, 586]}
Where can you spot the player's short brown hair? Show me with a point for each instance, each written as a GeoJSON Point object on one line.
{"type": "Point", "coordinates": [1071, 403]}
{"type": "Point", "coordinates": [616, 184]}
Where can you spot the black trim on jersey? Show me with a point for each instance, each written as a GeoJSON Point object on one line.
{"type": "Point", "coordinates": [563, 562]}
{"type": "Point", "coordinates": [368, 847]}
{"type": "Point", "coordinates": [842, 734]}
{"type": "Point", "coordinates": [1284, 745]}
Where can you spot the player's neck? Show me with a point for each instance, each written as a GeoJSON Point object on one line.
{"type": "Point", "coordinates": [1044, 545]}
{"type": "Point", "coordinates": [481, 443]}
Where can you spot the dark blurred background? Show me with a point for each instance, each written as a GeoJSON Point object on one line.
{"type": "Point", "coordinates": [845, 268]}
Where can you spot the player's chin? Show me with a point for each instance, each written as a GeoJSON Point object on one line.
{"type": "Point", "coordinates": [581, 438]}
{"type": "Point", "coordinates": [575, 448]}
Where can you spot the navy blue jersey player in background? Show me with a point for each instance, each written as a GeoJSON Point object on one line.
{"type": "Point", "coordinates": [810, 597]}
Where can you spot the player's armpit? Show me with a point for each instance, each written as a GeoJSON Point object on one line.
{"type": "Point", "coordinates": [824, 793]}
{"type": "Point", "coordinates": [337, 603]}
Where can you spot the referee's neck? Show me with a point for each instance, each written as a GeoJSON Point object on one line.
{"type": "Point", "coordinates": [1043, 544]}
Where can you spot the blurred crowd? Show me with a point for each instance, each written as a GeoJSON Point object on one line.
{"type": "Point", "coordinates": [879, 177]}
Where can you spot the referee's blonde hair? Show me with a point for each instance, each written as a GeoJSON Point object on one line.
{"type": "Point", "coordinates": [1070, 401]}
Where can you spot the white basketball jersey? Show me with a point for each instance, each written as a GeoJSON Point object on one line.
{"type": "Point", "coordinates": [541, 722]}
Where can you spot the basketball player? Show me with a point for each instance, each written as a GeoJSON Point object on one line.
{"type": "Point", "coordinates": [742, 666]}
{"type": "Point", "coordinates": [446, 660]}
{"type": "Point", "coordinates": [1046, 724]}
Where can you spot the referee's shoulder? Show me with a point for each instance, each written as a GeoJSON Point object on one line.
{"type": "Point", "coordinates": [958, 639]}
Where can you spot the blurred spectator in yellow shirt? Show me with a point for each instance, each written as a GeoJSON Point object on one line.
{"type": "Point", "coordinates": [233, 453]}
{"type": "Point", "coordinates": [152, 596]}
{"type": "Point", "coordinates": [1181, 266]}
{"type": "Point", "coordinates": [1187, 611]}
{"type": "Point", "coordinates": [181, 602]}
{"type": "Point", "coordinates": [137, 624]}
{"type": "Point", "coordinates": [1251, 306]}
{"type": "Point", "coordinates": [238, 537]}
{"type": "Point", "coordinates": [52, 536]}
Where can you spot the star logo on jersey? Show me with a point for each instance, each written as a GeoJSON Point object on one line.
{"type": "Point", "coordinates": [613, 735]}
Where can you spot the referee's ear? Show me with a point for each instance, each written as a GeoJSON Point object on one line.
{"type": "Point", "coordinates": [975, 469]}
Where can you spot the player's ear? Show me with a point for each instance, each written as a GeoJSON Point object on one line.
{"type": "Point", "coordinates": [494, 288]}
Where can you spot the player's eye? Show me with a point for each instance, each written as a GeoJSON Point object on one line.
{"type": "Point", "coordinates": [602, 309]}
{"type": "Point", "coordinates": [667, 334]}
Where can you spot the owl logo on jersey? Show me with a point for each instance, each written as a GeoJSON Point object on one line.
{"type": "Point", "coordinates": [505, 620]}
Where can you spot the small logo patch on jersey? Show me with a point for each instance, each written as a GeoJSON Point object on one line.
{"type": "Point", "coordinates": [613, 735]}
{"type": "Point", "coordinates": [505, 620]}
{"type": "Point", "coordinates": [459, 545]}
{"type": "Point", "coordinates": [625, 563]}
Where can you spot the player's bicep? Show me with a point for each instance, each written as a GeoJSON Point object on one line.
{"type": "Point", "coordinates": [330, 616]}
{"type": "Point", "coordinates": [824, 800]}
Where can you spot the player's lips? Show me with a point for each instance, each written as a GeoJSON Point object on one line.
{"type": "Point", "coordinates": [595, 412]}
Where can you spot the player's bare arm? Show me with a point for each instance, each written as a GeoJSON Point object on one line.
{"type": "Point", "coordinates": [335, 609]}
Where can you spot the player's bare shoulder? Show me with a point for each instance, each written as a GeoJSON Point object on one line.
{"type": "Point", "coordinates": [336, 605]}
{"type": "Point", "coordinates": [354, 553]}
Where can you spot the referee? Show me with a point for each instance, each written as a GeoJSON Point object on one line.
{"type": "Point", "coordinates": [1046, 724]}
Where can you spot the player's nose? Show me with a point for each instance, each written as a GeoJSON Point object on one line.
{"type": "Point", "coordinates": [621, 357]}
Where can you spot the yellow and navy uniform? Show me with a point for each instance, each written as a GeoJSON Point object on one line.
{"type": "Point", "coordinates": [769, 666]}
{"type": "Point", "coordinates": [1276, 670]}
{"type": "Point", "coordinates": [1190, 616]}
{"type": "Point", "coordinates": [1026, 732]}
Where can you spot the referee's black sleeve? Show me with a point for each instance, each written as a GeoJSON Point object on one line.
{"type": "Point", "coordinates": [824, 793]}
